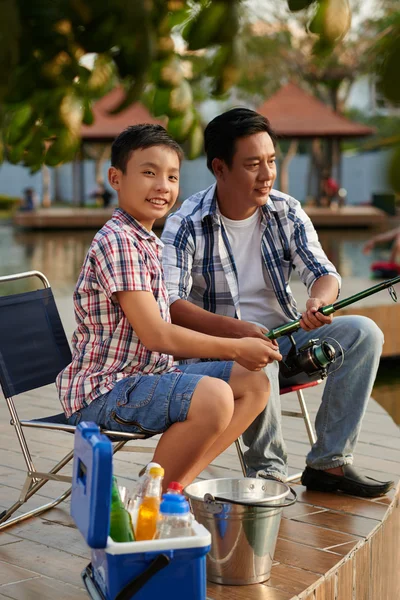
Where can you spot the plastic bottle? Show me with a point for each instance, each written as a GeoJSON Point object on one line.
{"type": "Point", "coordinates": [150, 506]}
{"type": "Point", "coordinates": [121, 529]}
{"type": "Point", "coordinates": [175, 517]}
{"type": "Point", "coordinates": [174, 488]}
{"type": "Point", "coordinates": [139, 493]}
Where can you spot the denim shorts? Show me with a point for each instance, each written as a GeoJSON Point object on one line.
{"type": "Point", "coordinates": [150, 403]}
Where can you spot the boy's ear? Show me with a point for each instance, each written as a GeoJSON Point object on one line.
{"type": "Point", "coordinates": [114, 178]}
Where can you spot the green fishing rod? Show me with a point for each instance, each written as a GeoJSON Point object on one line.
{"type": "Point", "coordinates": [293, 326]}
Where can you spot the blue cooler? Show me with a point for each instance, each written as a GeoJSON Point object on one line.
{"type": "Point", "coordinates": [170, 569]}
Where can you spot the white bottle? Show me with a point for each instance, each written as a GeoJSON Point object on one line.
{"type": "Point", "coordinates": [139, 493]}
{"type": "Point", "coordinates": [175, 519]}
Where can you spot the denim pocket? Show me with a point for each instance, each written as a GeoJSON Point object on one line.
{"type": "Point", "coordinates": [132, 423]}
{"type": "Point", "coordinates": [138, 391]}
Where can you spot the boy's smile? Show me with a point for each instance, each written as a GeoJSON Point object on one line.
{"type": "Point", "coordinates": [149, 187]}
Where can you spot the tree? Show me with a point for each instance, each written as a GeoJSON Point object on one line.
{"type": "Point", "coordinates": [47, 87]}
{"type": "Point", "coordinates": [330, 22]}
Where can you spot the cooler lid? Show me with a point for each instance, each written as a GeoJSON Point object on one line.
{"type": "Point", "coordinates": [91, 484]}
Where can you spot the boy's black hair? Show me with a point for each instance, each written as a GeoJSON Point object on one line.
{"type": "Point", "coordinates": [137, 137]}
{"type": "Point", "coordinates": [222, 132]}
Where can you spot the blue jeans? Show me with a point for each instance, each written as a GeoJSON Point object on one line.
{"type": "Point", "coordinates": [150, 403]}
{"type": "Point", "coordinates": [344, 401]}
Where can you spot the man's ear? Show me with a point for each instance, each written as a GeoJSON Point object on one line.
{"type": "Point", "coordinates": [114, 178]}
{"type": "Point", "coordinates": [218, 167]}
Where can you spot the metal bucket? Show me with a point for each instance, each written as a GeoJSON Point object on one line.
{"type": "Point", "coordinates": [243, 517]}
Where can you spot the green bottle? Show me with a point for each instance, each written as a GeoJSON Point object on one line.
{"type": "Point", "coordinates": [120, 520]}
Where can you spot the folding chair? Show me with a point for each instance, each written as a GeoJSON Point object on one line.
{"type": "Point", "coordinates": [33, 350]}
{"type": "Point", "coordinates": [301, 414]}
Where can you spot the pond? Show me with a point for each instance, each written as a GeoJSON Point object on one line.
{"type": "Point", "coordinates": [59, 254]}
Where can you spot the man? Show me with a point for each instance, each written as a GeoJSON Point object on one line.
{"type": "Point", "coordinates": [228, 256]}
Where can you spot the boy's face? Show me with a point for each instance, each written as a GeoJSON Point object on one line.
{"type": "Point", "coordinates": [150, 185]}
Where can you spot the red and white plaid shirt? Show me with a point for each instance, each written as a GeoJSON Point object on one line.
{"type": "Point", "coordinates": [123, 256]}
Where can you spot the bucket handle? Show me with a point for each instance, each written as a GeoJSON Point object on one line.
{"type": "Point", "coordinates": [210, 499]}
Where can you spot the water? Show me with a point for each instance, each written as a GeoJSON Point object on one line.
{"type": "Point", "coordinates": [59, 255]}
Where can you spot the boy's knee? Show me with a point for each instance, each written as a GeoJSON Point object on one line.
{"type": "Point", "coordinates": [215, 402]}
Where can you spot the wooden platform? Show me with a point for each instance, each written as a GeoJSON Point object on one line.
{"type": "Point", "coordinates": [67, 218]}
{"type": "Point", "coordinates": [94, 218]}
{"type": "Point", "coordinates": [330, 546]}
{"type": "Point", "coordinates": [348, 216]}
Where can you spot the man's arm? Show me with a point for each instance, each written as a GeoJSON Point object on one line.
{"type": "Point", "coordinates": [186, 314]}
{"type": "Point", "coordinates": [142, 312]}
{"type": "Point", "coordinates": [324, 291]}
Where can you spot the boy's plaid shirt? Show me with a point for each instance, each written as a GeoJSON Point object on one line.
{"type": "Point", "coordinates": [123, 256]}
{"type": "Point", "coordinates": [199, 265]}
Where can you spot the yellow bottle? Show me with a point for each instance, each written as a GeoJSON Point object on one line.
{"type": "Point", "coordinates": [150, 506]}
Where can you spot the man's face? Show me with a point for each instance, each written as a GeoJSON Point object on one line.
{"type": "Point", "coordinates": [150, 185]}
{"type": "Point", "coordinates": [251, 177]}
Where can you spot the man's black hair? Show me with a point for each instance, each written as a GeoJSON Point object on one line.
{"type": "Point", "coordinates": [222, 132]}
{"type": "Point", "coordinates": [137, 137]}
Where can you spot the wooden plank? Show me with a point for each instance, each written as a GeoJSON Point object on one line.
{"type": "Point", "coordinates": [291, 580]}
{"type": "Point", "coordinates": [245, 592]}
{"type": "Point", "coordinates": [309, 535]}
{"type": "Point", "coordinates": [45, 560]}
{"type": "Point", "coordinates": [327, 590]}
{"type": "Point", "coordinates": [55, 536]}
{"type": "Point", "coordinates": [12, 573]}
{"type": "Point", "coordinates": [341, 502]}
{"type": "Point", "coordinates": [354, 525]}
{"type": "Point", "coordinates": [304, 557]}
{"type": "Point", "coordinates": [43, 588]}
{"type": "Point", "coordinates": [345, 581]}
{"type": "Point", "coordinates": [362, 568]}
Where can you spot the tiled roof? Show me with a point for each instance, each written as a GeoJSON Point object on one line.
{"type": "Point", "coordinates": [107, 126]}
{"type": "Point", "coordinates": [296, 113]}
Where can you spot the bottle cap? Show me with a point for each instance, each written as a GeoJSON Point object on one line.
{"type": "Point", "coordinates": [156, 472]}
{"type": "Point", "coordinates": [174, 504]}
{"type": "Point", "coordinates": [151, 465]}
{"type": "Point", "coordinates": [175, 487]}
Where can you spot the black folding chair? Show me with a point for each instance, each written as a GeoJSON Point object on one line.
{"type": "Point", "coordinates": [33, 350]}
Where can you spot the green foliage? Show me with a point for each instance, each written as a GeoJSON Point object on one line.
{"type": "Point", "coordinates": [9, 202]}
{"type": "Point", "coordinates": [46, 91]}
{"type": "Point", "coordinates": [331, 21]}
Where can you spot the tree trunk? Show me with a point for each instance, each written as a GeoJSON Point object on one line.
{"type": "Point", "coordinates": [46, 198]}
{"type": "Point", "coordinates": [284, 170]}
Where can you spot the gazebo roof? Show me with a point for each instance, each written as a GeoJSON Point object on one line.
{"type": "Point", "coordinates": [295, 113]}
{"type": "Point", "coordinates": [107, 126]}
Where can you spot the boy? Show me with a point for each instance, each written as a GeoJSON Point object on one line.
{"type": "Point", "coordinates": [122, 374]}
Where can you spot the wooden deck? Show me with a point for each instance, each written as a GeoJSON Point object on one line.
{"type": "Point", "coordinates": [330, 547]}
{"type": "Point", "coordinates": [94, 218]}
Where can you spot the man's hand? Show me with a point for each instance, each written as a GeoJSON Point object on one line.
{"type": "Point", "coordinates": [246, 329]}
{"type": "Point", "coordinates": [255, 354]}
{"type": "Point", "coordinates": [311, 318]}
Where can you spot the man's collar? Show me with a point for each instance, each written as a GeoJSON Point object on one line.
{"type": "Point", "coordinates": [125, 218]}
{"type": "Point", "coordinates": [210, 205]}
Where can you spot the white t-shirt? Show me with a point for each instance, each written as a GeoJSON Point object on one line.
{"type": "Point", "coordinates": [258, 302]}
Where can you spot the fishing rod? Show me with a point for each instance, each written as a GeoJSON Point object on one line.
{"type": "Point", "coordinates": [293, 326]}
{"type": "Point", "coordinates": [312, 361]}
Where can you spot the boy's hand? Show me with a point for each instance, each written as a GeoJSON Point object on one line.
{"type": "Point", "coordinates": [255, 354]}
{"type": "Point", "coordinates": [311, 318]}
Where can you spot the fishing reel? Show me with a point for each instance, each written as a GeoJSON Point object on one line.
{"type": "Point", "coordinates": [308, 363]}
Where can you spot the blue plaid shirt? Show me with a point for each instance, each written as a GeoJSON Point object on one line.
{"type": "Point", "coordinates": [199, 265]}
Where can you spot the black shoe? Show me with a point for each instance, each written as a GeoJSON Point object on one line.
{"type": "Point", "coordinates": [350, 482]}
